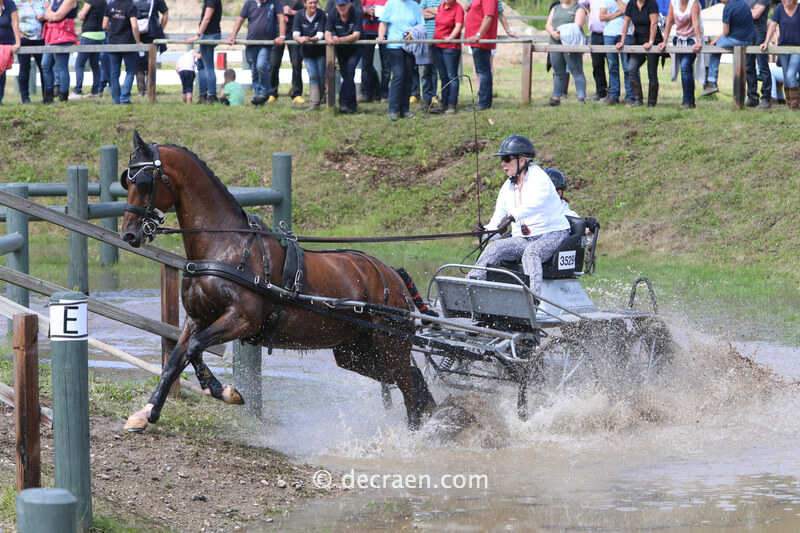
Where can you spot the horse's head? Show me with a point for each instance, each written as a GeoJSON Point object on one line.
{"type": "Point", "coordinates": [150, 197]}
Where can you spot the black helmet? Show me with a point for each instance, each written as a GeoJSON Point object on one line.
{"type": "Point", "coordinates": [558, 179]}
{"type": "Point", "coordinates": [517, 145]}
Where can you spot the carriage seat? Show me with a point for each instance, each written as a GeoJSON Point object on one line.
{"type": "Point", "coordinates": [562, 265]}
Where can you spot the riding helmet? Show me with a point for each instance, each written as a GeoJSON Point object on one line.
{"type": "Point", "coordinates": [558, 179]}
{"type": "Point", "coordinates": [518, 145]}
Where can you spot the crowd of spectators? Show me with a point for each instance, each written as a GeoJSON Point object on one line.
{"type": "Point", "coordinates": [411, 72]}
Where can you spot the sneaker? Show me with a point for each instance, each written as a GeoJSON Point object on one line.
{"type": "Point", "coordinates": [408, 114]}
{"type": "Point", "coordinates": [451, 109]}
{"type": "Point", "coordinates": [413, 100]}
{"type": "Point", "coordinates": [91, 95]}
{"type": "Point", "coordinates": [581, 100]}
{"type": "Point", "coordinates": [425, 105]}
{"type": "Point", "coordinates": [751, 102]}
{"type": "Point", "coordinates": [393, 116]}
{"type": "Point", "coordinates": [765, 104]}
{"type": "Point", "coordinates": [687, 105]}
{"type": "Point", "coordinates": [258, 100]}
{"type": "Point", "coordinates": [272, 99]}
{"type": "Point", "coordinates": [709, 88]}
{"type": "Point", "coordinates": [298, 100]}
{"type": "Point", "coordinates": [75, 96]}
{"type": "Point", "coordinates": [608, 101]}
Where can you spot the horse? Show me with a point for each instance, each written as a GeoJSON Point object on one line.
{"type": "Point", "coordinates": [220, 307]}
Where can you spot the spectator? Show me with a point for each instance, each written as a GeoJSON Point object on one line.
{"type": "Point", "coordinates": [786, 19]}
{"type": "Point", "coordinates": [397, 19]}
{"type": "Point", "coordinates": [290, 8]}
{"type": "Point", "coordinates": [185, 67]}
{"type": "Point", "coordinates": [738, 29]}
{"type": "Point", "coordinates": [232, 93]}
{"type": "Point", "coordinates": [150, 29]}
{"type": "Point", "coordinates": [59, 30]}
{"type": "Point", "coordinates": [265, 22]}
{"type": "Point", "coordinates": [565, 26]}
{"type": "Point", "coordinates": [760, 12]}
{"type": "Point", "coordinates": [344, 26]}
{"type": "Point", "coordinates": [309, 28]}
{"type": "Point", "coordinates": [643, 14]}
{"type": "Point", "coordinates": [31, 17]}
{"type": "Point", "coordinates": [374, 87]}
{"type": "Point", "coordinates": [613, 13]}
{"type": "Point", "coordinates": [481, 23]}
{"type": "Point", "coordinates": [685, 14]}
{"type": "Point", "coordinates": [776, 73]}
{"type": "Point", "coordinates": [121, 22]}
{"type": "Point", "coordinates": [209, 30]}
{"type": "Point", "coordinates": [10, 40]}
{"type": "Point", "coordinates": [449, 23]}
{"type": "Point", "coordinates": [596, 27]}
{"type": "Point", "coordinates": [91, 33]}
{"type": "Point", "coordinates": [428, 75]}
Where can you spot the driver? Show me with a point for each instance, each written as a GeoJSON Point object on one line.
{"type": "Point", "coordinates": [529, 203]}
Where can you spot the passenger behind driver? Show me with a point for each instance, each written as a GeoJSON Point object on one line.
{"type": "Point", "coordinates": [560, 183]}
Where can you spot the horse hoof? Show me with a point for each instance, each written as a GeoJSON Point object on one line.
{"type": "Point", "coordinates": [135, 425]}
{"type": "Point", "coordinates": [234, 397]}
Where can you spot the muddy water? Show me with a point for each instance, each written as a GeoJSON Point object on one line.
{"type": "Point", "coordinates": [710, 447]}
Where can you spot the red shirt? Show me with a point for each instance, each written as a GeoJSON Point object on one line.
{"type": "Point", "coordinates": [477, 11]}
{"type": "Point", "coordinates": [371, 24]}
{"type": "Point", "coordinates": [446, 20]}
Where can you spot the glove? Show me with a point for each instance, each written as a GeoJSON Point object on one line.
{"type": "Point", "coordinates": [478, 228]}
{"type": "Point", "coordinates": [504, 224]}
{"type": "Point", "coordinates": [592, 224]}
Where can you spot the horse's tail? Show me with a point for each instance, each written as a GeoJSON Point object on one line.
{"type": "Point", "coordinates": [412, 290]}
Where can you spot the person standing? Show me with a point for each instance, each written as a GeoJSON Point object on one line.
{"type": "Point", "coordinates": [343, 27]}
{"type": "Point", "coordinates": [447, 56]}
{"type": "Point", "coordinates": [596, 27]}
{"type": "Point", "coordinates": [373, 86]}
{"type": "Point", "coordinates": [428, 74]}
{"type": "Point", "coordinates": [397, 19]}
{"type": "Point", "coordinates": [613, 14]}
{"type": "Point", "coordinates": [787, 20]}
{"type": "Point", "coordinates": [59, 30]}
{"type": "Point", "coordinates": [10, 40]}
{"type": "Point", "coordinates": [31, 17]}
{"type": "Point", "coordinates": [643, 14]}
{"type": "Point", "coordinates": [481, 23]}
{"type": "Point", "coordinates": [92, 32]}
{"type": "Point", "coordinates": [150, 29]}
{"type": "Point", "coordinates": [738, 29]}
{"type": "Point", "coordinates": [289, 8]}
{"type": "Point", "coordinates": [121, 22]}
{"type": "Point", "coordinates": [208, 30]}
{"type": "Point", "coordinates": [309, 28]}
{"type": "Point", "coordinates": [565, 26]}
{"type": "Point", "coordinates": [760, 11]}
{"type": "Point", "coordinates": [265, 22]}
{"type": "Point", "coordinates": [685, 14]}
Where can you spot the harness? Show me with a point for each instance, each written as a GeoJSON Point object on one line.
{"type": "Point", "coordinates": [144, 179]}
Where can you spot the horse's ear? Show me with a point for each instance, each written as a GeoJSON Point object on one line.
{"type": "Point", "coordinates": [123, 179]}
{"type": "Point", "coordinates": [137, 139]}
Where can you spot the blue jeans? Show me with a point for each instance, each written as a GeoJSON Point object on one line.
{"type": "Point", "coordinates": [483, 68]}
{"type": "Point", "coordinates": [206, 75]}
{"type": "Point", "coordinates": [60, 64]}
{"type": "Point", "coordinates": [560, 61]}
{"type": "Point", "coordinates": [2, 86]}
{"type": "Point", "coordinates": [713, 63]}
{"type": "Point", "coordinates": [258, 57]}
{"type": "Point", "coordinates": [25, 68]}
{"type": "Point", "coordinates": [121, 95]}
{"type": "Point", "coordinates": [447, 60]}
{"type": "Point", "coordinates": [105, 70]}
{"type": "Point", "coordinates": [428, 79]}
{"type": "Point", "coordinates": [402, 64]}
{"type": "Point", "coordinates": [316, 70]}
{"type": "Point", "coordinates": [687, 72]}
{"type": "Point", "coordinates": [763, 70]}
{"type": "Point", "coordinates": [348, 56]}
{"type": "Point", "coordinates": [613, 59]}
{"type": "Point", "coordinates": [94, 64]}
{"type": "Point", "coordinates": [790, 63]}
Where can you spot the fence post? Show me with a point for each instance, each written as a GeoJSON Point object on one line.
{"type": "Point", "coordinates": [170, 313]}
{"type": "Point", "coordinates": [739, 76]}
{"type": "Point", "coordinates": [527, 71]}
{"type": "Point", "coordinates": [77, 244]}
{"type": "Point", "coordinates": [70, 371]}
{"type": "Point", "coordinates": [151, 73]}
{"type": "Point", "coordinates": [109, 173]}
{"type": "Point", "coordinates": [282, 182]}
{"type": "Point", "coordinates": [330, 77]}
{"type": "Point", "coordinates": [26, 392]}
{"type": "Point", "coordinates": [46, 510]}
{"type": "Point", "coordinates": [247, 375]}
{"type": "Point", "coordinates": [17, 222]}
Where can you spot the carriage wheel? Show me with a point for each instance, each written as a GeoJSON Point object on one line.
{"type": "Point", "coordinates": [556, 367]}
{"type": "Point", "coordinates": [649, 349]}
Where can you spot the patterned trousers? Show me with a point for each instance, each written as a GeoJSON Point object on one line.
{"type": "Point", "coordinates": [533, 251]}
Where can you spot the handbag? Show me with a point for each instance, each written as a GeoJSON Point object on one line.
{"type": "Point", "coordinates": [62, 31]}
{"type": "Point", "coordinates": [144, 24]}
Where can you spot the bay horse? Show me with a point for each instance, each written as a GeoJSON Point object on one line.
{"type": "Point", "coordinates": [219, 310]}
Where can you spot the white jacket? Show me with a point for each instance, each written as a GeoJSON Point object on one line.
{"type": "Point", "coordinates": [534, 202]}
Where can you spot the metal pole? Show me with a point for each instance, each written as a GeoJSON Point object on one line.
{"type": "Point", "coordinates": [282, 181]}
{"type": "Point", "coordinates": [109, 173]}
{"type": "Point", "coordinates": [247, 375]}
{"type": "Point", "coordinates": [77, 244]}
{"type": "Point", "coordinates": [17, 222]}
{"type": "Point", "coordinates": [70, 371]}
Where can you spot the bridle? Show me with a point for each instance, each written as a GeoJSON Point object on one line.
{"type": "Point", "coordinates": [144, 178]}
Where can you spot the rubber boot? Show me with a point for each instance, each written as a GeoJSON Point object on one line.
{"type": "Point", "coordinates": [202, 99]}
{"type": "Point", "coordinates": [47, 97]}
{"type": "Point", "coordinates": [636, 89]}
{"type": "Point", "coordinates": [315, 96]}
{"type": "Point", "coordinates": [652, 95]}
{"type": "Point", "coordinates": [63, 97]}
{"type": "Point", "coordinates": [792, 97]}
{"type": "Point", "coordinates": [141, 82]}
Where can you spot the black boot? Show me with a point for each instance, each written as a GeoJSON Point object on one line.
{"type": "Point", "coordinates": [63, 97]}
{"type": "Point", "coordinates": [636, 89]}
{"type": "Point", "coordinates": [47, 97]}
{"type": "Point", "coordinates": [652, 95]}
